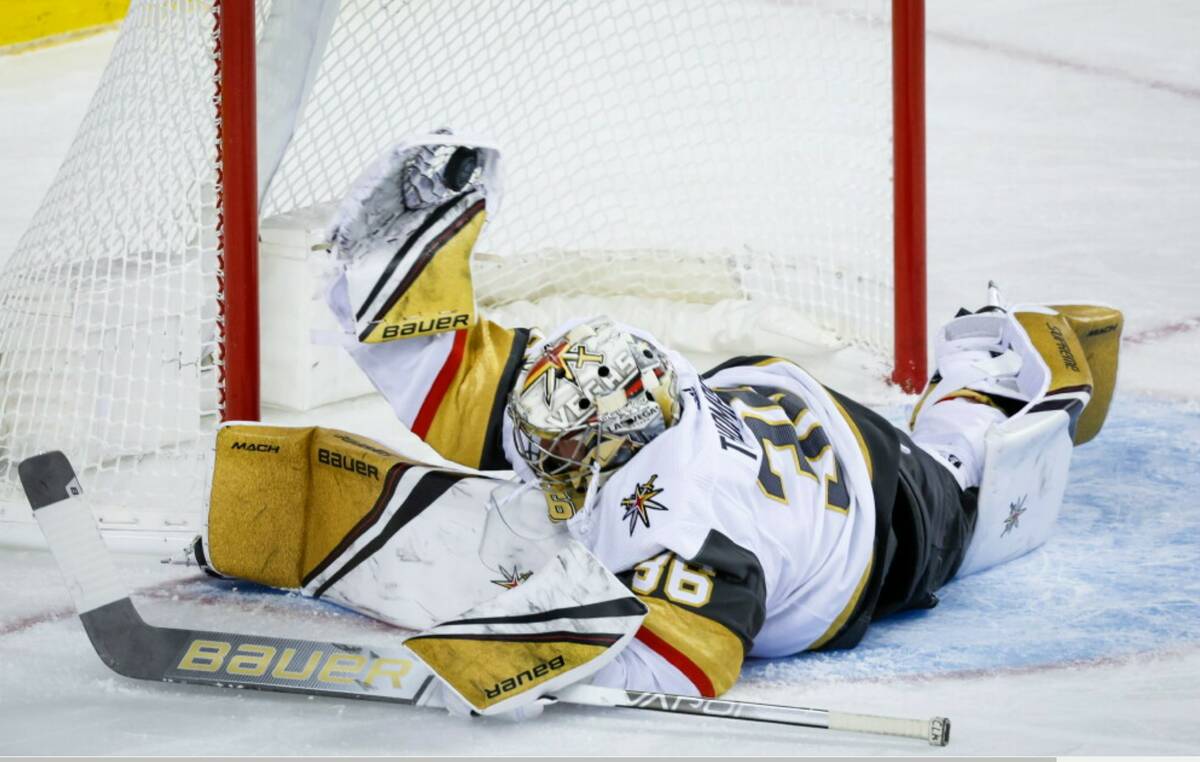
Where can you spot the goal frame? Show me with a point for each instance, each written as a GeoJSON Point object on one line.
{"type": "Point", "coordinates": [239, 383]}
{"type": "Point", "coordinates": [908, 193]}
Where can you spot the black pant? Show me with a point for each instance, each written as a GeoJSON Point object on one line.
{"type": "Point", "coordinates": [933, 521]}
{"type": "Point", "coordinates": [923, 524]}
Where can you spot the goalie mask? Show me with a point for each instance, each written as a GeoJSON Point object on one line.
{"type": "Point", "coordinates": [586, 401]}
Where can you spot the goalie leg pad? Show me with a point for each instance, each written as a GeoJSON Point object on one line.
{"type": "Point", "coordinates": [1034, 359]}
{"type": "Point", "coordinates": [340, 517]}
{"type": "Point", "coordinates": [1071, 355]}
{"type": "Point", "coordinates": [1098, 329]}
{"type": "Point", "coordinates": [1054, 373]}
{"type": "Point", "coordinates": [1024, 479]}
{"type": "Point", "coordinates": [1060, 394]}
{"type": "Point", "coordinates": [283, 498]}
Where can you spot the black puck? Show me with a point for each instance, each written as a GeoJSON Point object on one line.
{"type": "Point", "coordinates": [460, 167]}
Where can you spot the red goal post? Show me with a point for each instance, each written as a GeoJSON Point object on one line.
{"type": "Point", "coordinates": [239, 382]}
{"type": "Point", "coordinates": [908, 98]}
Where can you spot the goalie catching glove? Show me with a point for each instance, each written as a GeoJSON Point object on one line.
{"type": "Point", "coordinates": [403, 236]}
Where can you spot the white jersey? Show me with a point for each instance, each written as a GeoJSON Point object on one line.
{"type": "Point", "coordinates": [790, 486]}
{"type": "Point", "coordinates": [749, 526]}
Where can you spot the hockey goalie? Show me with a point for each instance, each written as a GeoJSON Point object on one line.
{"type": "Point", "coordinates": [602, 511]}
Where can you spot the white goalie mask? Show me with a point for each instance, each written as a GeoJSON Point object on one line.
{"type": "Point", "coordinates": [587, 400]}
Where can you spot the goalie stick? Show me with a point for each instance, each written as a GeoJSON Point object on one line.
{"type": "Point", "coordinates": [133, 648]}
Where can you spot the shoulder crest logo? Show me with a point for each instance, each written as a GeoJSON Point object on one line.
{"type": "Point", "coordinates": [638, 505]}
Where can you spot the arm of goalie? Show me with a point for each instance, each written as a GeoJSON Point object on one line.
{"type": "Point", "coordinates": [398, 282]}
{"type": "Point", "coordinates": [568, 621]}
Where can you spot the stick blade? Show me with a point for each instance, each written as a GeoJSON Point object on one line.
{"type": "Point", "coordinates": [70, 530]}
{"type": "Point", "coordinates": [48, 479]}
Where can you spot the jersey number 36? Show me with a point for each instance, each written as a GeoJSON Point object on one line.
{"type": "Point", "coordinates": [685, 584]}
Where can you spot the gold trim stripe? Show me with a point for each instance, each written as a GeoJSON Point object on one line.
{"type": "Point", "coordinates": [862, 443]}
{"type": "Point", "coordinates": [708, 644]}
{"type": "Point", "coordinates": [973, 396]}
{"type": "Point", "coordinates": [851, 605]}
{"type": "Point", "coordinates": [459, 426]}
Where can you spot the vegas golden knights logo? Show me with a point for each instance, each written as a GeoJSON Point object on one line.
{"type": "Point", "coordinates": [511, 579]}
{"type": "Point", "coordinates": [1015, 509]}
{"type": "Point", "coordinates": [638, 505]}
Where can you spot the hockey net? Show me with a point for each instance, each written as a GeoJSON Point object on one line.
{"type": "Point", "coordinates": [717, 170]}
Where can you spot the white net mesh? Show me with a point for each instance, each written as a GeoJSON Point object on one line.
{"type": "Point", "coordinates": [108, 304]}
{"type": "Point", "coordinates": [681, 153]}
{"type": "Point", "coordinates": [745, 142]}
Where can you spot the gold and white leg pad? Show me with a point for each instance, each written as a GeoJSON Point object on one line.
{"type": "Point", "coordinates": [340, 517]}
{"type": "Point", "coordinates": [1030, 359]}
{"type": "Point", "coordinates": [974, 352]}
{"type": "Point", "coordinates": [1059, 365]}
{"type": "Point", "coordinates": [1024, 478]}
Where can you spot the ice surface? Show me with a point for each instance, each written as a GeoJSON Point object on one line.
{"type": "Point", "coordinates": [1064, 162]}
